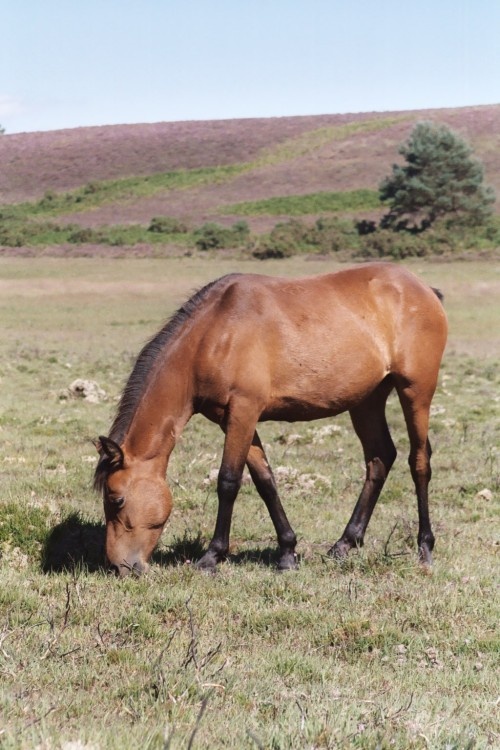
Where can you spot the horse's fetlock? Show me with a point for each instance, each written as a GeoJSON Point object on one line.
{"type": "Point", "coordinates": [355, 536]}
{"type": "Point", "coordinates": [288, 540]}
{"type": "Point", "coordinates": [217, 548]}
{"type": "Point", "coordinates": [340, 550]}
{"type": "Point", "coordinates": [214, 554]}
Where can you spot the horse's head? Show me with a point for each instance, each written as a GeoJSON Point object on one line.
{"type": "Point", "coordinates": [137, 504]}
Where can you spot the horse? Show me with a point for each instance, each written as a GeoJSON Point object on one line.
{"type": "Point", "coordinates": [248, 348]}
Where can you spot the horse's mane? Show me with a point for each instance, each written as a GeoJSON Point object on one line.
{"type": "Point", "coordinates": [139, 377]}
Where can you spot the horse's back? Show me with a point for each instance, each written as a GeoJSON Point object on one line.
{"type": "Point", "coordinates": [320, 344]}
{"type": "Point", "coordinates": [382, 300]}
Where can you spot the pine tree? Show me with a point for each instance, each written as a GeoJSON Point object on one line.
{"type": "Point", "coordinates": [441, 178]}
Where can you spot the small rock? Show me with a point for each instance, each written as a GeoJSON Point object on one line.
{"type": "Point", "coordinates": [86, 389]}
{"type": "Point", "coordinates": [212, 477]}
{"type": "Point", "coordinates": [485, 494]}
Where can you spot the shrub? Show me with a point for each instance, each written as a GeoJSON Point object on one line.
{"type": "Point", "coordinates": [284, 240]}
{"type": "Point", "coordinates": [332, 234]}
{"type": "Point", "coordinates": [366, 226]}
{"type": "Point", "coordinates": [211, 236]}
{"type": "Point", "coordinates": [48, 200]}
{"type": "Point", "coordinates": [280, 243]}
{"type": "Point", "coordinates": [266, 248]}
{"type": "Point", "coordinates": [10, 237]}
{"type": "Point", "coordinates": [241, 231]}
{"type": "Point", "coordinates": [167, 225]}
{"type": "Point", "coordinates": [91, 188]}
{"type": "Point", "coordinates": [385, 243]}
{"type": "Point", "coordinates": [83, 235]}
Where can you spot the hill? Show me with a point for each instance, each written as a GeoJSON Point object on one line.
{"type": "Point", "coordinates": [263, 158]}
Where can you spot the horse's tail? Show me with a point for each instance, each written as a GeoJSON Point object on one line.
{"type": "Point", "coordinates": [439, 294]}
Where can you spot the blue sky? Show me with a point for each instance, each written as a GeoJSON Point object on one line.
{"type": "Point", "coordinates": [69, 63]}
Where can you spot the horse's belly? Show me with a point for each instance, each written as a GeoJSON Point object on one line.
{"type": "Point", "coordinates": [316, 396]}
{"type": "Point", "coordinates": [292, 410]}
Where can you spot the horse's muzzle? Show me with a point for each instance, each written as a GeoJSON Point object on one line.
{"type": "Point", "coordinates": [126, 568]}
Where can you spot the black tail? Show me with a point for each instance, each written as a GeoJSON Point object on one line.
{"type": "Point", "coordinates": [439, 294]}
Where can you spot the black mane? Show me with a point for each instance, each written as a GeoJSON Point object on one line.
{"type": "Point", "coordinates": [139, 377]}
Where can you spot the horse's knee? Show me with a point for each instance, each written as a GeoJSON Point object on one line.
{"type": "Point", "coordinates": [420, 465]}
{"type": "Point", "coordinates": [377, 470]}
{"type": "Point", "coordinates": [228, 484]}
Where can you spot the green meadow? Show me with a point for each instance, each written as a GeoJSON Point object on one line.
{"type": "Point", "coordinates": [368, 653]}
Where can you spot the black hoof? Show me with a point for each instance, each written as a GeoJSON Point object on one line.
{"type": "Point", "coordinates": [425, 558]}
{"type": "Point", "coordinates": [208, 562]}
{"type": "Point", "coordinates": [288, 561]}
{"type": "Point", "coordinates": [340, 550]}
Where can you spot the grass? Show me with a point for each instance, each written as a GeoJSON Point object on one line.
{"type": "Point", "coordinates": [294, 148]}
{"type": "Point", "coordinates": [111, 191]}
{"type": "Point", "coordinates": [32, 224]}
{"type": "Point", "coordinates": [366, 654]}
{"type": "Point", "coordinates": [313, 203]}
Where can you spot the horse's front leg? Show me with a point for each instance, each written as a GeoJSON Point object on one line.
{"type": "Point", "coordinates": [239, 428]}
{"type": "Point", "coordinates": [264, 481]}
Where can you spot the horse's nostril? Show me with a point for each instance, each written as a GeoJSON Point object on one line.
{"type": "Point", "coordinates": [138, 568]}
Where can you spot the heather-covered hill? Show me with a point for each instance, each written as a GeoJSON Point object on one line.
{"type": "Point", "coordinates": [32, 163]}
{"type": "Point", "coordinates": [283, 156]}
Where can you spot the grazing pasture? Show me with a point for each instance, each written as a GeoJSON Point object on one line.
{"type": "Point", "coordinates": [367, 652]}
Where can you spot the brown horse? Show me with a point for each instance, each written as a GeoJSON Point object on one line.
{"type": "Point", "coordinates": [250, 348]}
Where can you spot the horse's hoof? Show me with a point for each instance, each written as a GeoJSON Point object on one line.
{"type": "Point", "coordinates": [425, 560]}
{"type": "Point", "coordinates": [207, 563]}
{"type": "Point", "coordinates": [288, 561]}
{"type": "Point", "coordinates": [339, 551]}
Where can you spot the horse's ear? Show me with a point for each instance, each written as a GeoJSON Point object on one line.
{"type": "Point", "coordinates": [110, 449]}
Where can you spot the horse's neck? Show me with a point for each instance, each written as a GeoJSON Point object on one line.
{"type": "Point", "coordinates": [161, 415]}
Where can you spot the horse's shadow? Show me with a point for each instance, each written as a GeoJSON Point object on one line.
{"type": "Point", "coordinates": [190, 548]}
{"type": "Point", "coordinates": [76, 543]}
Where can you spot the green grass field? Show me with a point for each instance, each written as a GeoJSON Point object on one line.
{"type": "Point", "coordinates": [370, 653]}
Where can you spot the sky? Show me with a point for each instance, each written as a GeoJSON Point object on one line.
{"type": "Point", "coordinates": [73, 63]}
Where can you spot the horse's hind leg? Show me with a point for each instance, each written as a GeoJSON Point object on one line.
{"type": "Point", "coordinates": [416, 406]}
{"type": "Point", "coordinates": [263, 478]}
{"type": "Point", "coordinates": [370, 424]}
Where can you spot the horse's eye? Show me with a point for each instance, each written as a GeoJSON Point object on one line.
{"type": "Point", "coordinates": [117, 502]}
